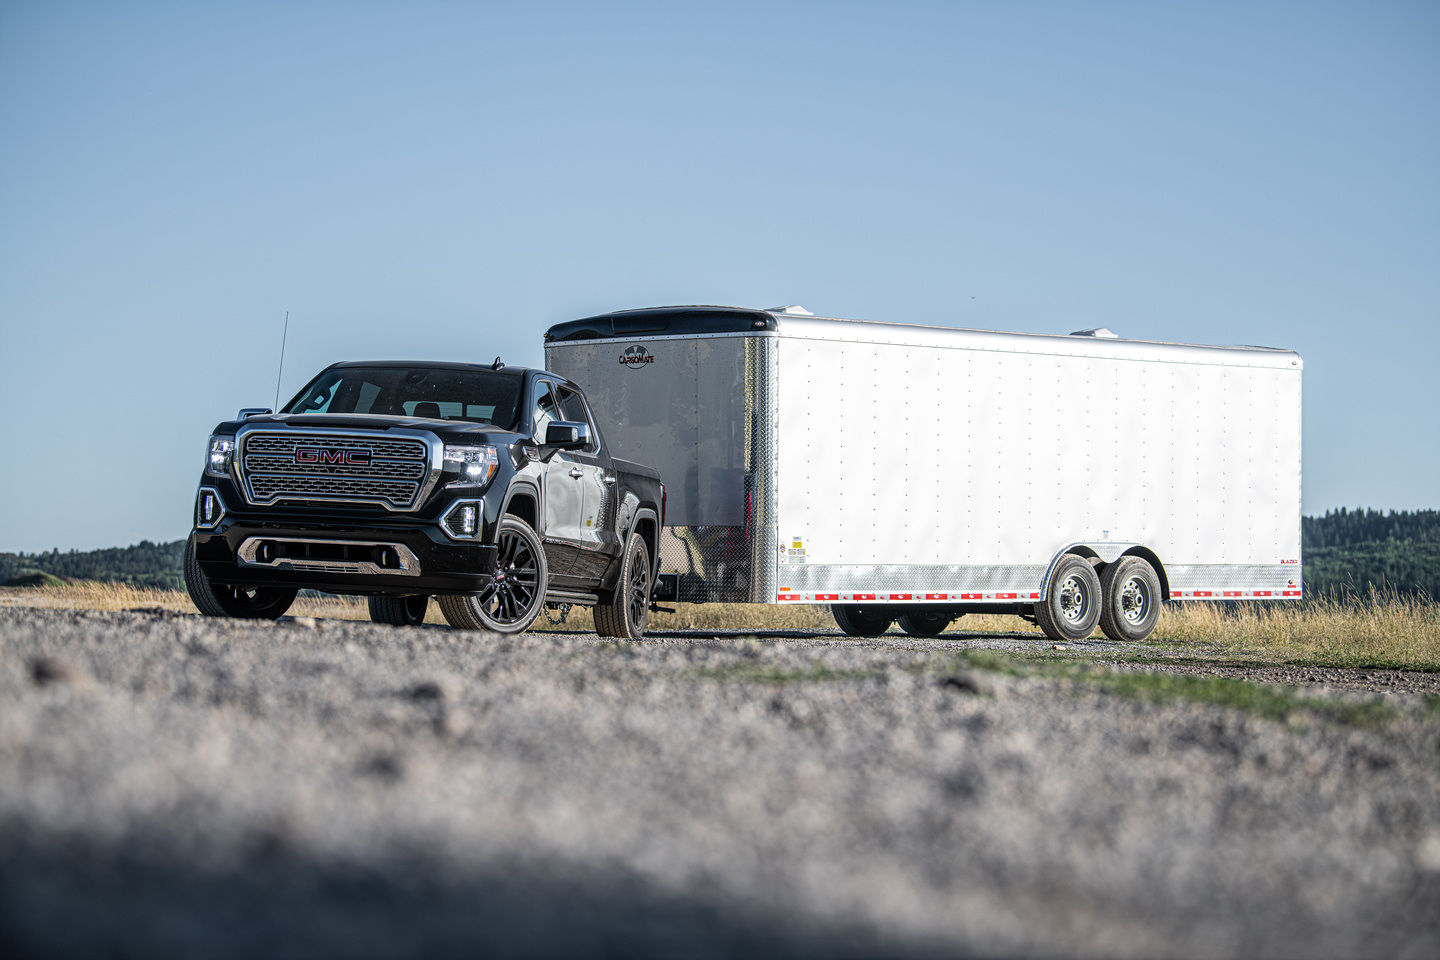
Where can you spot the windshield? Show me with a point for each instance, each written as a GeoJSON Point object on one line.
{"type": "Point", "coordinates": [437, 393]}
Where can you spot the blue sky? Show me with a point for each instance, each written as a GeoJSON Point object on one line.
{"type": "Point", "coordinates": [446, 180]}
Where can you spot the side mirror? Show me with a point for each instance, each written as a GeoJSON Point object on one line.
{"type": "Point", "coordinates": [252, 412]}
{"type": "Point", "coordinates": [567, 435]}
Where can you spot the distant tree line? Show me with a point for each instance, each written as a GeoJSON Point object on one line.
{"type": "Point", "coordinates": [1345, 552]}
{"type": "Point", "coordinates": [1351, 551]}
{"type": "Point", "coordinates": [145, 564]}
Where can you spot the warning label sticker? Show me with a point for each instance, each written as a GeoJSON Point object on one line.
{"type": "Point", "coordinates": [792, 551]}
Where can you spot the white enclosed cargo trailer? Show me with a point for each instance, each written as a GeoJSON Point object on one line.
{"type": "Point", "coordinates": [921, 472]}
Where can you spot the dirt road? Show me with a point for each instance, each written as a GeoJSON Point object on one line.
{"type": "Point", "coordinates": [175, 785]}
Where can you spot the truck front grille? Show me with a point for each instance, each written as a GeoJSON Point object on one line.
{"type": "Point", "coordinates": [299, 465]}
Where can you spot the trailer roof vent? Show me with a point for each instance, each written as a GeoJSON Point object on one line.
{"type": "Point", "coordinates": [794, 308]}
{"type": "Point", "coordinates": [1099, 332]}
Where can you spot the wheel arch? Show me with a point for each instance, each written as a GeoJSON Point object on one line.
{"type": "Point", "coordinates": [1089, 553]}
{"type": "Point", "coordinates": [523, 501]}
{"type": "Point", "coordinates": [646, 522]}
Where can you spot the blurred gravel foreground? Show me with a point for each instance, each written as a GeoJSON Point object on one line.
{"type": "Point", "coordinates": [175, 786]}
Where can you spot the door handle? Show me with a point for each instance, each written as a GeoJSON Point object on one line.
{"type": "Point", "coordinates": [576, 472]}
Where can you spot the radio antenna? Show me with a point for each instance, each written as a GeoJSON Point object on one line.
{"type": "Point", "coordinates": [278, 373]}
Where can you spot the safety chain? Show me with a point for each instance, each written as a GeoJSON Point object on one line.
{"type": "Point", "coordinates": [564, 612]}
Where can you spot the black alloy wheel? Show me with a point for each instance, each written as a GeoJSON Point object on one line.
{"type": "Point", "coordinates": [511, 600]}
{"type": "Point", "coordinates": [628, 608]}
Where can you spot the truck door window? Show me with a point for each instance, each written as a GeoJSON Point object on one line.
{"type": "Point", "coordinates": [545, 410]}
{"type": "Point", "coordinates": [572, 408]}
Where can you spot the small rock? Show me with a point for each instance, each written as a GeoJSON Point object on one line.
{"type": "Point", "coordinates": [307, 623]}
{"type": "Point", "coordinates": [1057, 646]}
{"type": "Point", "coordinates": [47, 670]}
{"type": "Point", "coordinates": [428, 690]}
{"type": "Point", "coordinates": [960, 683]}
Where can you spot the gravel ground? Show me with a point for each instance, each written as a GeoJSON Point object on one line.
{"type": "Point", "coordinates": [172, 785]}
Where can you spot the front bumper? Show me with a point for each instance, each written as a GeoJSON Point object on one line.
{"type": "Point", "coordinates": [376, 559]}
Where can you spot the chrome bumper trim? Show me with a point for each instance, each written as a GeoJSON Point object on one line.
{"type": "Point", "coordinates": [409, 563]}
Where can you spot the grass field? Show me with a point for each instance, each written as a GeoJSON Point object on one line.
{"type": "Point", "coordinates": [1378, 631]}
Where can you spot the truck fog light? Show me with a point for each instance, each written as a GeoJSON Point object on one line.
{"type": "Point", "coordinates": [462, 521]}
{"type": "Point", "coordinates": [209, 509]}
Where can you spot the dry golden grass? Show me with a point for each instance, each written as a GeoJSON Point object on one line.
{"type": "Point", "coordinates": [1381, 630]}
{"type": "Point", "coordinates": [1375, 631]}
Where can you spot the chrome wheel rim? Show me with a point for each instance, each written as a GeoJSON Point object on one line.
{"type": "Point", "coordinates": [1135, 600]}
{"type": "Point", "coordinates": [513, 590]}
{"type": "Point", "coordinates": [1074, 600]}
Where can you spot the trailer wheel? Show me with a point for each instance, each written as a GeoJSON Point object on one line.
{"type": "Point", "coordinates": [512, 599]}
{"type": "Point", "coordinates": [856, 620]}
{"type": "Point", "coordinates": [222, 600]}
{"type": "Point", "coordinates": [1131, 594]}
{"type": "Point", "coordinates": [1071, 607]}
{"type": "Point", "coordinates": [624, 616]}
{"type": "Point", "coordinates": [399, 611]}
{"type": "Point", "coordinates": [924, 624]}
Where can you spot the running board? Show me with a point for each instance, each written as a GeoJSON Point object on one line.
{"type": "Point", "coordinates": [571, 596]}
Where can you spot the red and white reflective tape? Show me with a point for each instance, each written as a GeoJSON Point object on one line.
{"type": "Point", "coordinates": [972, 596]}
{"type": "Point", "coordinates": [787, 596]}
{"type": "Point", "coordinates": [1233, 594]}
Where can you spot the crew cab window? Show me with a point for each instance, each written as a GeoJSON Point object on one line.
{"type": "Point", "coordinates": [545, 410]}
{"type": "Point", "coordinates": [572, 408]}
{"type": "Point", "coordinates": [439, 393]}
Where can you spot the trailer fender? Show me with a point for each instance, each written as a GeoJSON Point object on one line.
{"type": "Point", "coordinates": [1102, 554]}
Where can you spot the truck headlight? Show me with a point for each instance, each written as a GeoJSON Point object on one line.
{"type": "Point", "coordinates": [222, 451]}
{"type": "Point", "coordinates": [475, 464]}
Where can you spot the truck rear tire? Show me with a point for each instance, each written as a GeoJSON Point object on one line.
{"type": "Point", "coordinates": [512, 599]}
{"type": "Point", "coordinates": [924, 624]}
{"type": "Point", "coordinates": [1132, 595]}
{"type": "Point", "coordinates": [629, 607]}
{"type": "Point", "coordinates": [222, 600]}
{"type": "Point", "coordinates": [399, 611]}
{"type": "Point", "coordinates": [856, 620]}
{"type": "Point", "coordinates": [1071, 607]}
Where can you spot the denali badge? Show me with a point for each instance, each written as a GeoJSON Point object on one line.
{"type": "Point", "coordinates": [636, 356]}
{"type": "Point", "coordinates": [331, 455]}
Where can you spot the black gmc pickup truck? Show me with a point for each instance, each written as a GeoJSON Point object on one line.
{"type": "Point", "coordinates": [486, 486]}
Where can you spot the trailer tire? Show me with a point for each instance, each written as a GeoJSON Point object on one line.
{"type": "Point", "coordinates": [1071, 607]}
{"type": "Point", "coordinates": [399, 611]}
{"type": "Point", "coordinates": [1131, 597]}
{"type": "Point", "coordinates": [625, 615]}
{"type": "Point", "coordinates": [223, 600]}
{"type": "Point", "coordinates": [924, 624]}
{"type": "Point", "coordinates": [516, 593]}
{"type": "Point", "coordinates": [858, 620]}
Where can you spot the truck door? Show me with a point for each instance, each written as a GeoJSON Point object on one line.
{"type": "Point", "coordinates": [595, 535]}
{"type": "Point", "coordinates": [562, 495]}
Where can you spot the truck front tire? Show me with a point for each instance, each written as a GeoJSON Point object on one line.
{"type": "Point", "coordinates": [512, 599]}
{"type": "Point", "coordinates": [222, 600]}
{"type": "Point", "coordinates": [629, 607]}
{"type": "Point", "coordinates": [399, 611]}
{"type": "Point", "coordinates": [1071, 607]}
{"type": "Point", "coordinates": [1131, 594]}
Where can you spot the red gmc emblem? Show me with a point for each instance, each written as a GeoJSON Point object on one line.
{"type": "Point", "coordinates": [331, 455]}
